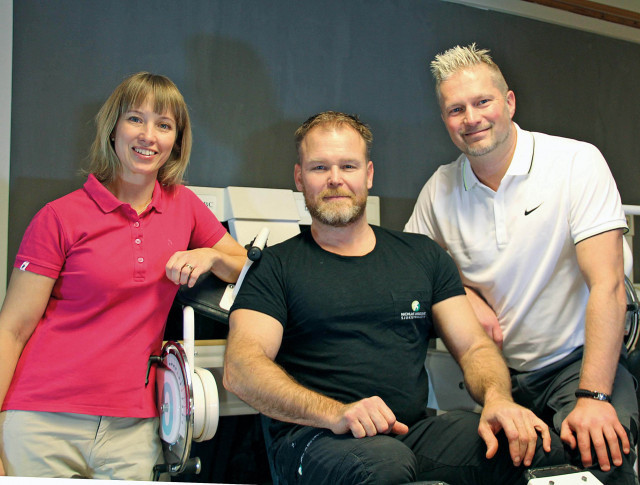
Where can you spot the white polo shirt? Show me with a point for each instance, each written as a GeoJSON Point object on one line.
{"type": "Point", "coordinates": [516, 246]}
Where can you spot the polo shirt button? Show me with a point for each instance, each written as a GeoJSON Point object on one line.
{"type": "Point", "coordinates": [136, 224]}
{"type": "Point", "coordinates": [140, 260]}
{"type": "Point", "coordinates": [137, 241]}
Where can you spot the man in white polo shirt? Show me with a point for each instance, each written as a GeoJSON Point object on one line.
{"type": "Point", "coordinates": [535, 223]}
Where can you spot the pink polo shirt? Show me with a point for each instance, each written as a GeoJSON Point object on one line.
{"type": "Point", "coordinates": [109, 305]}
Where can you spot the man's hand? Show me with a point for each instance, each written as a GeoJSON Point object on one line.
{"type": "Point", "coordinates": [486, 316]}
{"type": "Point", "coordinates": [595, 422]}
{"type": "Point", "coordinates": [368, 417]}
{"type": "Point", "coordinates": [521, 427]}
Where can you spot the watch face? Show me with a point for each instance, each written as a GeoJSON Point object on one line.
{"type": "Point", "coordinates": [175, 404]}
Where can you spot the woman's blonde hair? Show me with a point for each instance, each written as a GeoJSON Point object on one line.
{"type": "Point", "coordinates": [130, 94]}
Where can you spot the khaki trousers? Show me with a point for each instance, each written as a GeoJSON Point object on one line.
{"type": "Point", "coordinates": [65, 445]}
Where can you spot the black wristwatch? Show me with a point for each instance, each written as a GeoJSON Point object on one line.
{"type": "Point", "coordinates": [600, 396]}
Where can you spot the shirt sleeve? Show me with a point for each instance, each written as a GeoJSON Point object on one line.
{"type": "Point", "coordinates": [43, 248]}
{"type": "Point", "coordinates": [423, 220]}
{"type": "Point", "coordinates": [447, 282]}
{"type": "Point", "coordinates": [263, 289]}
{"type": "Point", "coordinates": [595, 200]}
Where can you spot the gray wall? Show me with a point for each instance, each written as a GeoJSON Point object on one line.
{"type": "Point", "coordinates": [252, 70]}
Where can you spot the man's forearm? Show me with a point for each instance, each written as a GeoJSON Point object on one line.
{"type": "Point", "coordinates": [270, 390]}
{"type": "Point", "coordinates": [604, 331]}
{"type": "Point", "coordinates": [485, 372]}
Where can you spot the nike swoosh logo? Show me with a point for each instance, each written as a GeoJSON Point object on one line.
{"type": "Point", "coordinates": [527, 212]}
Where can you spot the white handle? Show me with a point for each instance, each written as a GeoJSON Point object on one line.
{"type": "Point", "coordinates": [257, 246]}
{"type": "Point", "coordinates": [188, 336]}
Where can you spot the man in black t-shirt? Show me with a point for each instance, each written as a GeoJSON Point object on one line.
{"type": "Point", "coordinates": [329, 334]}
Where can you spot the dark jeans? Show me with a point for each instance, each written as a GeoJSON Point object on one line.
{"type": "Point", "coordinates": [549, 392]}
{"type": "Point", "coordinates": [445, 447]}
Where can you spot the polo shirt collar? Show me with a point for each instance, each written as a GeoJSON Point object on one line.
{"type": "Point", "coordinates": [109, 202]}
{"type": "Point", "coordinates": [469, 179]}
{"type": "Point", "coordinates": [521, 162]}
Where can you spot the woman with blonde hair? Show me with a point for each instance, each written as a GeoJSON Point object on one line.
{"type": "Point", "coordinates": [91, 289]}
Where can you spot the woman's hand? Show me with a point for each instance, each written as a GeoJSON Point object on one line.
{"type": "Point", "coordinates": [225, 260]}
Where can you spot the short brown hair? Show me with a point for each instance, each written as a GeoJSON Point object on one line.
{"type": "Point", "coordinates": [132, 93]}
{"type": "Point", "coordinates": [334, 119]}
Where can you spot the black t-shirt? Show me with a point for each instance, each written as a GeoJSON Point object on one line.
{"type": "Point", "coordinates": [355, 327]}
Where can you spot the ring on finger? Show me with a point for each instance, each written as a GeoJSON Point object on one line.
{"type": "Point", "coordinates": [188, 266]}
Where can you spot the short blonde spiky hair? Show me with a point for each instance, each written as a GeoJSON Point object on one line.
{"type": "Point", "coordinates": [459, 58]}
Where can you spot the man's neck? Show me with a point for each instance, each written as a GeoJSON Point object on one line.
{"type": "Point", "coordinates": [491, 168]}
{"type": "Point", "coordinates": [355, 239]}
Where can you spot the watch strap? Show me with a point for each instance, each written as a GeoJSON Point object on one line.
{"type": "Point", "coordinates": [599, 396]}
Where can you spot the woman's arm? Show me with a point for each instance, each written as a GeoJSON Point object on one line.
{"type": "Point", "coordinates": [26, 300]}
{"type": "Point", "coordinates": [225, 260]}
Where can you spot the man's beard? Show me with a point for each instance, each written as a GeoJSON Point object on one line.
{"type": "Point", "coordinates": [484, 150]}
{"type": "Point", "coordinates": [336, 214]}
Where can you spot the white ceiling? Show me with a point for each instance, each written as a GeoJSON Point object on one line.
{"type": "Point", "coordinates": [561, 17]}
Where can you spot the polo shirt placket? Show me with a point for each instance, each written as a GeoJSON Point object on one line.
{"type": "Point", "coordinates": [139, 265]}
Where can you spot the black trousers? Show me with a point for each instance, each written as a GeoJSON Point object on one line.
{"type": "Point", "coordinates": [549, 392]}
{"type": "Point", "coordinates": [445, 448]}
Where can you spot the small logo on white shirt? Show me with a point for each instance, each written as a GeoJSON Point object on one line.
{"type": "Point", "coordinates": [23, 266]}
{"type": "Point", "coordinates": [527, 212]}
